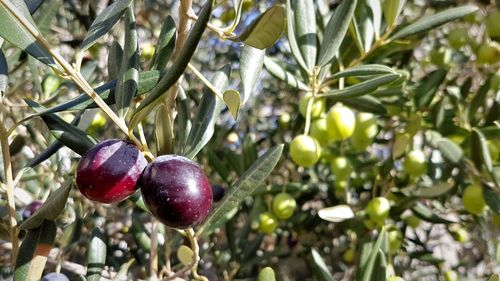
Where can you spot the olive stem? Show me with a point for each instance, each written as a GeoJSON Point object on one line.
{"type": "Point", "coordinates": [9, 188]}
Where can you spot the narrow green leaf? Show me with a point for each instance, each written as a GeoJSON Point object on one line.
{"type": "Point", "coordinates": [177, 69]}
{"type": "Point", "coordinates": [367, 271]}
{"type": "Point", "coordinates": [166, 44]}
{"type": "Point", "coordinates": [320, 264]}
{"type": "Point", "coordinates": [52, 148]}
{"type": "Point", "coordinates": [335, 31]}
{"type": "Point", "coordinates": [115, 60]}
{"type": "Point", "coordinates": [33, 5]}
{"type": "Point", "coordinates": [362, 88]}
{"type": "Point", "coordinates": [69, 135]}
{"type": "Point", "coordinates": [437, 189]}
{"type": "Point", "coordinates": [292, 37]}
{"type": "Point", "coordinates": [423, 212]}
{"type": "Point", "coordinates": [14, 32]}
{"type": "Point", "coordinates": [208, 112]}
{"type": "Point", "coordinates": [126, 87]}
{"type": "Point", "coordinates": [450, 150]}
{"type": "Point", "coordinates": [51, 209]}
{"type": "Point", "coordinates": [380, 267]}
{"type": "Point", "coordinates": [251, 62]}
{"type": "Point", "coordinates": [4, 74]}
{"type": "Point", "coordinates": [356, 35]}
{"type": "Point", "coordinates": [218, 165]}
{"type": "Point", "coordinates": [363, 70]}
{"type": "Point", "coordinates": [492, 199]}
{"type": "Point", "coordinates": [366, 103]}
{"type": "Point", "coordinates": [265, 30]}
{"type": "Point", "coordinates": [480, 152]}
{"type": "Point", "coordinates": [244, 186]}
{"type": "Point", "coordinates": [392, 9]}
{"type": "Point", "coordinates": [428, 86]}
{"type": "Point", "coordinates": [34, 251]}
{"type": "Point", "coordinates": [280, 73]}
{"type": "Point", "coordinates": [429, 22]}
{"type": "Point", "coordinates": [233, 100]}
{"type": "Point", "coordinates": [96, 258]}
{"type": "Point", "coordinates": [305, 30]}
{"type": "Point", "coordinates": [104, 22]}
{"type": "Point", "coordinates": [400, 144]}
{"type": "Point", "coordinates": [266, 274]}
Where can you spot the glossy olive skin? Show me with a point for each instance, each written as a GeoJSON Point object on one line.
{"type": "Point", "coordinates": [31, 209]}
{"type": "Point", "coordinates": [176, 191]}
{"type": "Point", "coordinates": [109, 171]}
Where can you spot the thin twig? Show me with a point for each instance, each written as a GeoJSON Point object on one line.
{"type": "Point", "coordinates": [9, 184]}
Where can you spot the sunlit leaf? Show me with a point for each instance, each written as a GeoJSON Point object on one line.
{"type": "Point", "coordinates": [232, 99]}
{"type": "Point", "coordinates": [321, 266]}
{"type": "Point", "coordinates": [336, 214]}
{"type": "Point", "coordinates": [280, 73]}
{"type": "Point", "coordinates": [166, 44]}
{"type": "Point", "coordinates": [251, 62]}
{"type": "Point", "coordinates": [265, 30]}
{"type": "Point", "coordinates": [335, 31]}
{"type": "Point", "coordinates": [426, 23]}
{"type": "Point", "coordinates": [96, 257]}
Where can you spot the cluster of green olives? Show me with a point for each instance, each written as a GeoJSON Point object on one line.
{"type": "Point", "coordinates": [283, 207]}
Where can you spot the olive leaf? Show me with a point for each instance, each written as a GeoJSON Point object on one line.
{"type": "Point", "coordinates": [166, 44]}
{"type": "Point", "coordinates": [12, 13]}
{"type": "Point", "coordinates": [335, 31]}
{"type": "Point", "coordinates": [426, 23]}
{"type": "Point", "coordinates": [243, 187]}
{"type": "Point", "coordinates": [34, 251]}
{"type": "Point", "coordinates": [51, 208]}
{"type": "Point", "coordinates": [128, 77]}
{"type": "Point", "coordinates": [251, 62]}
{"type": "Point", "coordinates": [68, 134]}
{"type": "Point", "coordinates": [104, 22]}
{"type": "Point", "coordinates": [209, 109]}
{"type": "Point", "coordinates": [265, 30]}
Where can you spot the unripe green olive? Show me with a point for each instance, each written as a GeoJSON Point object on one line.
{"type": "Point", "coordinates": [395, 238]}
{"type": "Point", "coordinates": [412, 221]}
{"type": "Point", "coordinates": [496, 220]}
{"type": "Point", "coordinates": [441, 56]}
{"type": "Point", "coordinates": [348, 256]}
{"type": "Point", "coordinates": [341, 168]}
{"type": "Point", "coordinates": [317, 108]}
{"type": "Point", "coordinates": [488, 53]}
{"type": "Point", "coordinates": [473, 199]}
{"type": "Point", "coordinates": [304, 151]}
{"type": "Point", "coordinates": [415, 163]}
{"type": "Point", "coordinates": [284, 120]}
{"type": "Point", "coordinates": [458, 37]}
{"type": "Point", "coordinates": [340, 122]}
{"type": "Point", "coordinates": [378, 209]}
{"type": "Point", "coordinates": [364, 131]}
{"type": "Point", "coordinates": [450, 275]}
{"type": "Point", "coordinates": [319, 131]}
{"type": "Point", "coordinates": [267, 223]}
{"type": "Point", "coordinates": [460, 234]}
{"type": "Point", "coordinates": [284, 206]}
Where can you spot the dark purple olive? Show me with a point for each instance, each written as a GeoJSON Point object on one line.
{"type": "Point", "coordinates": [218, 192]}
{"type": "Point", "coordinates": [31, 209]}
{"type": "Point", "coordinates": [55, 277]}
{"type": "Point", "coordinates": [292, 240]}
{"type": "Point", "coordinates": [176, 191]}
{"type": "Point", "coordinates": [109, 171]}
